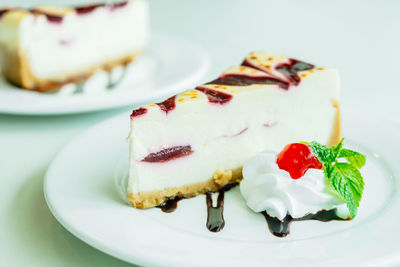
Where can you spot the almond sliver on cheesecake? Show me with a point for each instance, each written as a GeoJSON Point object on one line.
{"type": "Point", "coordinates": [45, 48]}
{"type": "Point", "coordinates": [197, 141]}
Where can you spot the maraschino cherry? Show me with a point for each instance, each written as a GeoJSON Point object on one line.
{"type": "Point", "coordinates": [297, 158]}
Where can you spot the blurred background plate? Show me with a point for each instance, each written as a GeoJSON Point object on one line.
{"type": "Point", "coordinates": [170, 65]}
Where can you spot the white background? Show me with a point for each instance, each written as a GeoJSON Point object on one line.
{"type": "Point", "coordinates": [359, 38]}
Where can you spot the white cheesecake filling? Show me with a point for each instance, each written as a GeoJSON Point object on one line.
{"type": "Point", "coordinates": [266, 187]}
{"type": "Point", "coordinates": [225, 136]}
{"type": "Point", "coordinates": [83, 41]}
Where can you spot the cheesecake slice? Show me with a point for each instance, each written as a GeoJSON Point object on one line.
{"type": "Point", "coordinates": [198, 141]}
{"type": "Point", "coordinates": [44, 48]}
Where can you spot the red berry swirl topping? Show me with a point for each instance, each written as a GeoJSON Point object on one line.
{"type": "Point", "coordinates": [138, 112]}
{"type": "Point", "coordinates": [255, 70]}
{"type": "Point", "coordinates": [296, 159]}
{"type": "Point", "coordinates": [290, 69]}
{"type": "Point", "coordinates": [168, 104]}
{"type": "Point", "coordinates": [243, 80]}
{"type": "Point", "coordinates": [215, 96]}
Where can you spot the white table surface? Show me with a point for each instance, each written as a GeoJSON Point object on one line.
{"type": "Point", "coordinates": [360, 38]}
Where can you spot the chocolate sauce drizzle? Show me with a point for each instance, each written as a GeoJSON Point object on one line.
{"type": "Point", "coordinates": [79, 86]}
{"type": "Point", "coordinates": [215, 215]}
{"type": "Point", "coordinates": [282, 228]}
{"type": "Point", "coordinates": [112, 84]}
{"type": "Point", "coordinates": [170, 205]}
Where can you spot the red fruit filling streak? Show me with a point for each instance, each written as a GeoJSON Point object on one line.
{"type": "Point", "coordinates": [296, 159]}
{"type": "Point", "coordinates": [169, 153]}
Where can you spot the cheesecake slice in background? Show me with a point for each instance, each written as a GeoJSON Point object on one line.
{"type": "Point", "coordinates": [44, 48]}
{"type": "Point", "coordinates": [198, 141]}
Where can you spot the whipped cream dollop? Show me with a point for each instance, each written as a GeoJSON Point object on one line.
{"type": "Point", "coordinates": [266, 187]}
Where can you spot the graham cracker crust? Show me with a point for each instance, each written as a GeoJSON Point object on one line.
{"type": "Point", "coordinates": [16, 70]}
{"type": "Point", "coordinates": [144, 200]}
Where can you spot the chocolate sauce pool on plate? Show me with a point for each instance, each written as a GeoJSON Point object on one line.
{"type": "Point", "coordinates": [215, 215]}
{"type": "Point", "coordinates": [170, 205]}
{"type": "Point", "coordinates": [282, 228]}
{"type": "Point", "coordinates": [279, 228]}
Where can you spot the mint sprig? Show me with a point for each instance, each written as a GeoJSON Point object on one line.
{"type": "Point", "coordinates": [341, 166]}
{"type": "Point", "coordinates": [355, 158]}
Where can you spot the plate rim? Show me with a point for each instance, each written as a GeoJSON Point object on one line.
{"type": "Point", "coordinates": [135, 259]}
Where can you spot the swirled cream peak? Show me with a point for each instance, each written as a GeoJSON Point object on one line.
{"type": "Point", "coordinates": [266, 187]}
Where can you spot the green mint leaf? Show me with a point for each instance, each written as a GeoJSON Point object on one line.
{"type": "Point", "coordinates": [344, 177]}
{"type": "Point", "coordinates": [348, 183]}
{"type": "Point", "coordinates": [353, 157]}
{"type": "Point", "coordinates": [336, 149]}
{"type": "Point", "coordinates": [323, 153]}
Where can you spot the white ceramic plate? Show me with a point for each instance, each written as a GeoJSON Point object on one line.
{"type": "Point", "coordinates": [80, 191]}
{"type": "Point", "coordinates": [169, 66]}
